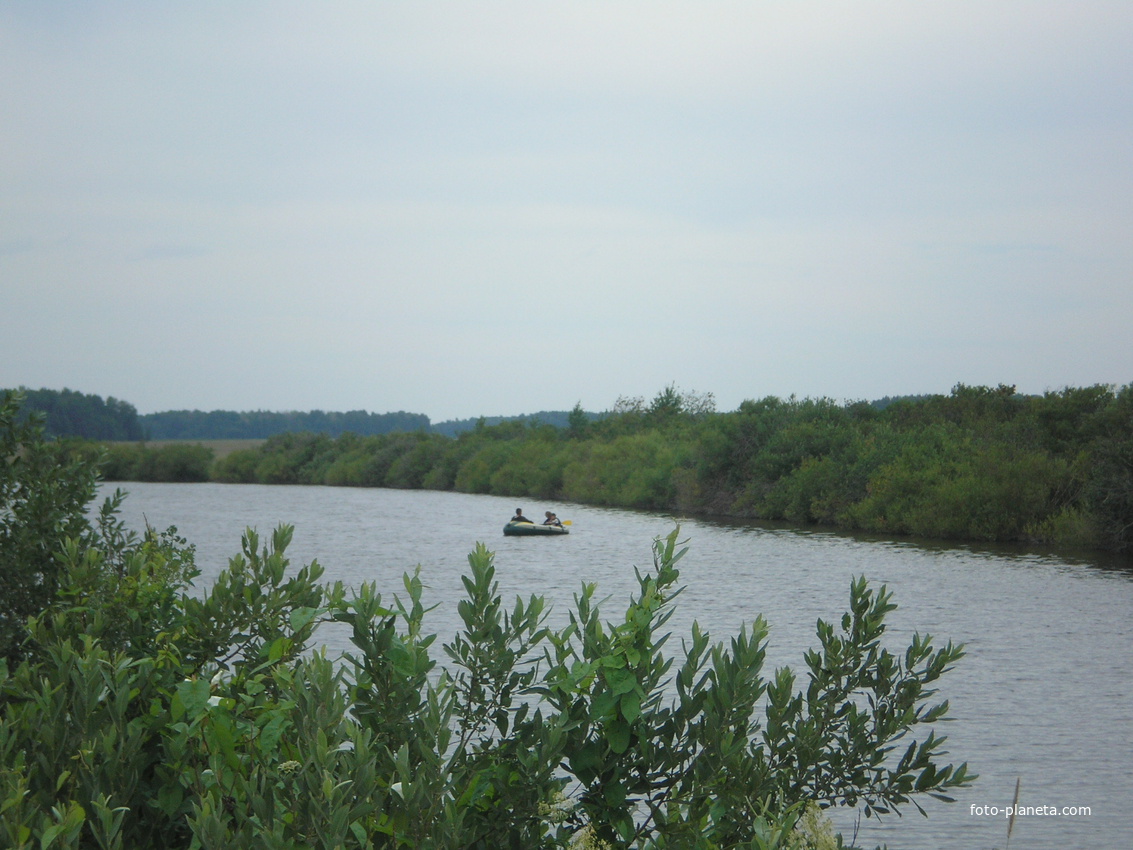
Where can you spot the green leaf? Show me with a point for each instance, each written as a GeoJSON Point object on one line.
{"type": "Point", "coordinates": [301, 617]}
{"type": "Point", "coordinates": [618, 735]}
{"type": "Point", "coordinates": [169, 799]}
{"type": "Point", "coordinates": [194, 697]}
{"type": "Point", "coordinates": [587, 758]}
{"type": "Point", "coordinates": [621, 681]}
{"type": "Point", "coordinates": [603, 705]}
{"type": "Point", "coordinates": [272, 731]}
{"type": "Point", "coordinates": [277, 648]}
{"type": "Point", "coordinates": [630, 706]}
{"type": "Point", "coordinates": [615, 794]}
{"type": "Point", "coordinates": [227, 742]}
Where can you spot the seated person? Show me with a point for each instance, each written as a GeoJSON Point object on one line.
{"type": "Point", "coordinates": [552, 520]}
{"type": "Point", "coordinates": [519, 517]}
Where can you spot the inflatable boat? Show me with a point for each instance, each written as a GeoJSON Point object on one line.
{"type": "Point", "coordinates": [530, 529]}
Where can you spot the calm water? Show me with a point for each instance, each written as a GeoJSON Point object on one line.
{"type": "Point", "coordinates": [1044, 694]}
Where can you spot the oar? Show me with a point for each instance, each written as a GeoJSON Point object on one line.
{"type": "Point", "coordinates": [566, 522]}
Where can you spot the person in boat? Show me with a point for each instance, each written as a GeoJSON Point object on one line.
{"type": "Point", "coordinates": [552, 520]}
{"type": "Point", "coordinates": [519, 517]}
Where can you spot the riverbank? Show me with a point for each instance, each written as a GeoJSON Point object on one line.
{"type": "Point", "coordinates": [981, 464]}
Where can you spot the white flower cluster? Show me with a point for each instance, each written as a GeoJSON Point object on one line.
{"type": "Point", "coordinates": [814, 831]}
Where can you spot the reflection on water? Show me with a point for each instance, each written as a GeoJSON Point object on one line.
{"type": "Point", "coordinates": [1043, 694]}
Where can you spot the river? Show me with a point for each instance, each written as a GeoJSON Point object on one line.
{"type": "Point", "coordinates": [1044, 694]}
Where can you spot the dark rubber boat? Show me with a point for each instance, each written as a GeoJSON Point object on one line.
{"type": "Point", "coordinates": [530, 529]}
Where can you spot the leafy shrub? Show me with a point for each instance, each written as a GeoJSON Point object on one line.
{"type": "Point", "coordinates": [238, 467]}
{"type": "Point", "coordinates": [44, 490]}
{"type": "Point", "coordinates": [122, 461]}
{"type": "Point", "coordinates": [177, 463]}
{"type": "Point", "coordinates": [419, 454]}
{"type": "Point", "coordinates": [536, 469]}
{"type": "Point", "coordinates": [943, 483]}
{"type": "Point", "coordinates": [1109, 487]}
{"type": "Point", "coordinates": [475, 474]}
{"type": "Point", "coordinates": [631, 471]}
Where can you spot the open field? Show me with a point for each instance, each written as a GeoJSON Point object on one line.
{"type": "Point", "coordinates": [220, 448]}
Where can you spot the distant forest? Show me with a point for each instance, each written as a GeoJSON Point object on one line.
{"type": "Point", "coordinates": [230, 425]}
{"type": "Point", "coordinates": [555, 418]}
{"type": "Point", "coordinates": [68, 413]}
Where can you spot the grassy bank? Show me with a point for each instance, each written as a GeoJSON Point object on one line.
{"type": "Point", "coordinates": [220, 448]}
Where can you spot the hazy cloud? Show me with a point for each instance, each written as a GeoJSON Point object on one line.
{"type": "Point", "coordinates": [460, 209]}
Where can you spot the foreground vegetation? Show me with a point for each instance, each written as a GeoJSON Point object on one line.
{"type": "Point", "coordinates": [137, 714]}
{"type": "Point", "coordinates": [983, 464]}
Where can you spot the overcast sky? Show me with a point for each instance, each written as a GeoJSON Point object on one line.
{"type": "Point", "coordinates": [465, 209]}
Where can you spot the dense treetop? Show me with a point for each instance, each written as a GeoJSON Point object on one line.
{"type": "Point", "coordinates": [68, 413]}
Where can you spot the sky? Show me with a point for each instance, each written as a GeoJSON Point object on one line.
{"type": "Point", "coordinates": [494, 208]}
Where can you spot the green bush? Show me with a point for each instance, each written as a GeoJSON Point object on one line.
{"type": "Point", "coordinates": [536, 469]}
{"type": "Point", "coordinates": [944, 483]}
{"type": "Point", "coordinates": [476, 473]}
{"type": "Point", "coordinates": [630, 471]}
{"type": "Point", "coordinates": [420, 453]}
{"type": "Point", "coordinates": [297, 458]}
{"type": "Point", "coordinates": [122, 461]}
{"type": "Point", "coordinates": [44, 490]}
{"type": "Point", "coordinates": [1109, 485]}
{"type": "Point", "coordinates": [176, 463]}
{"type": "Point", "coordinates": [238, 467]}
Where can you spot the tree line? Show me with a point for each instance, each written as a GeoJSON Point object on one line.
{"type": "Point", "coordinates": [73, 414]}
{"type": "Point", "coordinates": [137, 711]}
{"type": "Point", "coordinates": [228, 424]}
{"type": "Point", "coordinates": [68, 413]}
{"type": "Point", "coordinates": [556, 418]}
